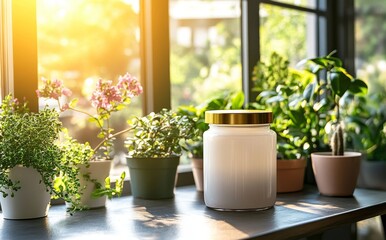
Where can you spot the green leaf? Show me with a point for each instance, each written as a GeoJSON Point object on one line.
{"type": "Point", "coordinates": [309, 91]}
{"type": "Point", "coordinates": [237, 100]}
{"type": "Point", "coordinates": [340, 82]}
{"type": "Point", "coordinates": [358, 86]}
{"type": "Point", "coordinates": [73, 103]}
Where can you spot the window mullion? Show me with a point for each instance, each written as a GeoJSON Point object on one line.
{"type": "Point", "coordinates": [155, 72]}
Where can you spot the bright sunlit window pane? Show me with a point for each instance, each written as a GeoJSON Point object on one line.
{"type": "Point", "coordinates": [288, 32]}
{"type": "Point", "coordinates": [302, 3]}
{"type": "Point", "coordinates": [82, 41]}
{"type": "Point", "coordinates": [205, 56]}
{"type": "Point", "coordinates": [370, 44]}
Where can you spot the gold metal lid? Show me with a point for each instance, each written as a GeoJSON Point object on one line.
{"type": "Point", "coordinates": [234, 117]}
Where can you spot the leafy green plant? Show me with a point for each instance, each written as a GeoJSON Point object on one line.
{"type": "Point", "coordinates": [29, 139]}
{"type": "Point", "coordinates": [282, 90]}
{"type": "Point", "coordinates": [227, 100]}
{"type": "Point", "coordinates": [366, 126]}
{"type": "Point", "coordinates": [159, 135]}
{"type": "Point", "coordinates": [330, 91]}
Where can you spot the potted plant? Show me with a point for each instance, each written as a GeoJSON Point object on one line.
{"type": "Point", "coordinates": [154, 151]}
{"type": "Point", "coordinates": [366, 125]}
{"type": "Point", "coordinates": [336, 172]}
{"type": "Point", "coordinates": [194, 145]}
{"type": "Point", "coordinates": [93, 165]}
{"type": "Point", "coordinates": [30, 158]}
{"type": "Point", "coordinates": [280, 89]}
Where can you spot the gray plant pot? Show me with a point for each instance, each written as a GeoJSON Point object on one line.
{"type": "Point", "coordinates": [153, 178]}
{"type": "Point", "coordinates": [372, 175]}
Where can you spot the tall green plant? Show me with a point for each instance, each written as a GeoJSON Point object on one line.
{"type": "Point", "coordinates": [338, 83]}
{"type": "Point", "coordinates": [283, 90]}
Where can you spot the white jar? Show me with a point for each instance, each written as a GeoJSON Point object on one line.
{"type": "Point", "coordinates": [239, 160]}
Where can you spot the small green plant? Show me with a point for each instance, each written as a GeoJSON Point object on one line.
{"type": "Point", "coordinates": [29, 139]}
{"type": "Point", "coordinates": [228, 100]}
{"type": "Point", "coordinates": [338, 82]}
{"type": "Point", "coordinates": [159, 135]}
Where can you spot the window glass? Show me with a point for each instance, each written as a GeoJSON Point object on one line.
{"type": "Point", "coordinates": [205, 56]}
{"type": "Point", "coordinates": [302, 3]}
{"type": "Point", "coordinates": [370, 47]}
{"type": "Point", "coordinates": [288, 32]}
{"type": "Point", "coordinates": [82, 41]}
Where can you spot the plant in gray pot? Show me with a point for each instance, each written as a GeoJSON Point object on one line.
{"type": "Point", "coordinates": [366, 132]}
{"type": "Point", "coordinates": [335, 172]}
{"type": "Point", "coordinates": [154, 152]}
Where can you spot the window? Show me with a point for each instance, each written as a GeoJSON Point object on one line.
{"type": "Point", "coordinates": [295, 29]}
{"type": "Point", "coordinates": [205, 49]}
{"type": "Point", "coordinates": [370, 50]}
{"type": "Point", "coordinates": [82, 41]}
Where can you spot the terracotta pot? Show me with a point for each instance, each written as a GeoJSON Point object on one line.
{"type": "Point", "coordinates": [336, 175]}
{"type": "Point", "coordinates": [31, 200]}
{"type": "Point", "coordinates": [372, 175]}
{"type": "Point", "coordinates": [153, 178]}
{"type": "Point", "coordinates": [290, 175]}
{"type": "Point", "coordinates": [98, 170]}
{"type": "Point", "coordinates": [197, 166]}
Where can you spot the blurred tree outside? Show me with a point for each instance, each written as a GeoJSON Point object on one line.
{"type": "Point", "coordinates": [370, 44]}
{"type": "Point", "coordinates": [80, 41]}
{"type": "Point", "coordinates": [205, 49]}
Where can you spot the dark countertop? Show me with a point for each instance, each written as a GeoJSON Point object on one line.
{"type": "Point", "coordinates": [295, 215]}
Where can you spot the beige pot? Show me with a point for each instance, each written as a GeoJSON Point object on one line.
{"type": "Point", "coordinates": [98, 170]}
{"type": "Point", "coordinates": [31, 200]}
{"type": "Point", "coordinates": [197, 166]}
{"type": "Point", "coordinates": [290, 175]}
{"type": "Point", "coordinates": [336, 175]}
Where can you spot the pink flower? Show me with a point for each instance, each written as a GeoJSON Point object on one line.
{"type": "Point", "coordinates": [129, 85]}
{"type": "Point", "coordinates": [66, 92]}
{"type": "Point", "coordinates": [105, 96]}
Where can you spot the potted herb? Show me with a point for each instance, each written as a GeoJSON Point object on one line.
{"type": "Point", "coordinates": [366, 132]}
{"type": "Point", "coordinates": [154, 151]}
{"type": "Point", "coordinates": [29, 159]}
{"type": "Point", "coordinates": [280, 89]}
{"type": "Point", "coordinates": [336, 172]}
{"type": "Point", "coordinates": [194, 145]}
{"type": "Point", "coordinates": [93, 165]}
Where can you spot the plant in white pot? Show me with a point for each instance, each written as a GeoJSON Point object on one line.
{"type": "Point", "coordinates": [30, 159]}
{"type": "Point", "coordinates": [93, 165]}
{"type": "Point", "coordinates": [194, 145]}
{"type": "Point", "coordinates": [335, 172]}
{"type": "Point", "coordinates": [154, 152]}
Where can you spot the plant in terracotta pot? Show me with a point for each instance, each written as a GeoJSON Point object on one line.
{"type": "Point", "coordinates": [366, 132]}
{"type": "Point", "coordinates": [30, 159]}
{"type": "Point", "coordinates": [154, 152]}
{"type": "Point", "coordinates": [93, 165]}
{"type": "Point", "coordinates": [281, 90]}
{"type": "Point", "coordinates": [336, 172]}
{"type": "Point", "coordinates": [194, 145]}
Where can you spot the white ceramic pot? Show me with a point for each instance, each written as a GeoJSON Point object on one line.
{"type": "Point", "coordinates": [31, 200]}
{"type": "Point", "coordinates": [98, 170]}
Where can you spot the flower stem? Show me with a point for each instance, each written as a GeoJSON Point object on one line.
{"type": "Point", "coordinates": [110, 137]}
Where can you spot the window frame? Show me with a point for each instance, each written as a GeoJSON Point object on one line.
{"type": "Point", "coordinates": [334, 30]}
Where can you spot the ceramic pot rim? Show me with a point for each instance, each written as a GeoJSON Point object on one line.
{"type": "Point", "coordinates": [329, 154]}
